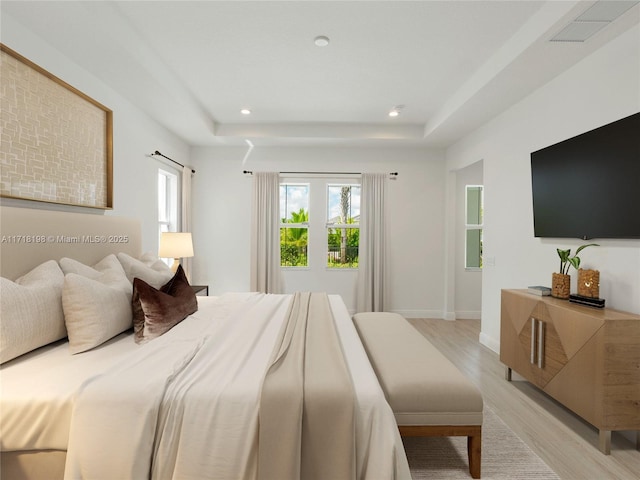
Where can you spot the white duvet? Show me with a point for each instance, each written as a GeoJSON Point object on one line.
{"type": "Point", "coordinates": [186, 404]}
{"type": "Point", "coordinates": [37, 392]}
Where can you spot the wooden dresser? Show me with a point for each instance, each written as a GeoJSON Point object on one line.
{"type": "Point", "coordinates": [586, 358]}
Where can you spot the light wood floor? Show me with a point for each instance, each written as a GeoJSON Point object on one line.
{"type": "Point", "coordinates": [563, 440]}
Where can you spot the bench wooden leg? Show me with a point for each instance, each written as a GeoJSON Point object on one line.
{"type": "Point", "coordinates": [472, 432]}
{"type": "Point", "coordinates": [474, 449]}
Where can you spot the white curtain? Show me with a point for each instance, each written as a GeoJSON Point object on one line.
{"type": "Point", "coordinates": [265, 233]}
{"type": "Point", "coordinates": [371, 257]}
{"type": "Point", "coordinates": [186, 226]}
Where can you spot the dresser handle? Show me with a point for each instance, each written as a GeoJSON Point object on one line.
{"type": "Point", "coordinates": [533, 341]}
{"type": "Point", "coordinates": [541, 344]}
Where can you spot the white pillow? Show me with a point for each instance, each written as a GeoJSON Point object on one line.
{"type": "Point", "coordinates": [149, 258]}
{"type": "Point", "coordinates": [95, 310]}
{"type": "Point", "coordinates": [108, 271]}
{"type": "Point", "coordinates": [148, 268]}
{"type": "Point", "coordinates": [31, 311]}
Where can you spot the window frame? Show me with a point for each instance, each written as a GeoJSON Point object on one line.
{"type": "Point", "coordinates": [302, 225]}
{"type": "Point", "coordinates": [171, 202]}
{"type": "Point", "coordinates": [473, 227]}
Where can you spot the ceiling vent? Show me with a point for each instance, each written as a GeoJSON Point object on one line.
{"type": "Point", "coordinates": [596, 17]}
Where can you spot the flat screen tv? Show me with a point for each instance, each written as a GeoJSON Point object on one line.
{"type": "Point", "coordinates": [589, 186]}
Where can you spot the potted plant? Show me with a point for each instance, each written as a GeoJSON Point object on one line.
{"type": "Point", "coordinates": [561, 282]}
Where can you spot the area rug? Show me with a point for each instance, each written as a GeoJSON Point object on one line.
{"type": "Point", "coordinates": [504, 455]}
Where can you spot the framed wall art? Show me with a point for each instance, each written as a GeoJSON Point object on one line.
{"type": "Point", "coordinates": [57, 142]}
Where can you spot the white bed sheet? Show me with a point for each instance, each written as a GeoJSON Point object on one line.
{"type": "Point", "coordinates": [42, 420]}
{"type": "Point", "coordinates": [376, 421]}
{"type": "Point", "coordinates": [37, 390]}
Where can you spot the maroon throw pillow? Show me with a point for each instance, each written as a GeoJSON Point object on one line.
{"type": "Point", "coordinates": [157, 311]}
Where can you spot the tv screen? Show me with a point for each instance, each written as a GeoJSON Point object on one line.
{"type": "Point", "coordinates": [589, 186]}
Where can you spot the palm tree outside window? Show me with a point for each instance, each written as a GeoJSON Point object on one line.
{"type": "Point", "coordinates": [343, 226]}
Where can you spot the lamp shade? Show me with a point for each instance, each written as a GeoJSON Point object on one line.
{"type": "Point", "coordinates": [175, 245]}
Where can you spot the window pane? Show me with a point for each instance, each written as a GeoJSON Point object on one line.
{"type": "Point", "coordinates": [343, 208]}
{"type": "Point", "coordinates": [167, 205]}
{"type": "Point", "coordinates": [294, 203]}
{"type": "Point", "coordinates": [294, 209]}
{"type": "Point", "coordinates": [474, 248]}
{"type": "Point", "coordinates": [167, 201]}
{"type": "Point", "coordinates": [343, 204]}
{"type": "Point", "coordinates": [474, 205]}
{"type": "Point", "coordinates": [162, 197]}
{"type": "Point", "coordinates": [293, 247]}
{"type": "Point", "coordinates": [342, 247]}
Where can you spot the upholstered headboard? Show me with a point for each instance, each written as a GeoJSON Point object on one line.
{"type": "Point", "coordinates": [29, 237]}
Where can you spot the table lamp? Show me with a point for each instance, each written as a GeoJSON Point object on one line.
{"type": "Point", "coordinates": [175, 245]}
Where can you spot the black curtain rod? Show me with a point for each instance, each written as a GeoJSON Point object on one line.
{"type": "Point", "coordinates": [249, 172]}
{"type": "Point", "coordinates": [171, 160]}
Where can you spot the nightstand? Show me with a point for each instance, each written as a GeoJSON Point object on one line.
{"type": "Point", "coordinates": [202, 290]}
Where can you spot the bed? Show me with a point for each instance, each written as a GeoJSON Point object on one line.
{"type": "Point", "coordinates": [228, 392]}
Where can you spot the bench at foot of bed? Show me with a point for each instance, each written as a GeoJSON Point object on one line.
{"type": "Point", "coordinates": [429, 396]}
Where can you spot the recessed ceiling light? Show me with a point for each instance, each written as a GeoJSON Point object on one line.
{"type": "Point", "coordinates": [321, 41]}
{"type": "Point", "coordinates": [245, 111]}
{"type": "Point", "coordinates": [395, 111]}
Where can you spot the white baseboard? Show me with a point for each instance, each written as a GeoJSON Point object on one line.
{"type": "Point", "coordinates": [489, 342]}
{"type": "Point", "coordinates": [419, 313]}
{"type": "Point", "coordinates": [449, 316]}
{"type": "Point", "coordinates": [467, 315]}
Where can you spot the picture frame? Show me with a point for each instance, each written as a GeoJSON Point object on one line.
{"type": "Point", "coordinates": [57, 142]}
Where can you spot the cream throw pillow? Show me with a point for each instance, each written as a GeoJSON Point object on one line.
{"type": "Point", "coordinates": [148, 268]}
{"type": "Point", "coordinates": [108, 271]}
{"type": "Point", "coordinates": [96, 302]}
{"type": "Point", "coordinates": [31, 311]}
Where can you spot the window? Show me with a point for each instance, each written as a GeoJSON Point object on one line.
{"type": "Point", "coordinates": [305, 241]}
{"type": "Point", "coordinates": [343, 225]}
{"type": "Point", "coordinates": [294, 225]}
{"type": "Point", "coordinates": [473, 226]}
{"type": "Point", "coordinates": [167, 204]}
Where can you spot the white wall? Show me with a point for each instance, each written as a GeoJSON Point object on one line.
{"type": "Point", "coordinates": [468, 283]}
{"type": "Point", "coordinates": [135, 135]}
{"type": "Point", "coordinates": [222, 212]}
{"type": "Point", "coordinates": [600, 89]}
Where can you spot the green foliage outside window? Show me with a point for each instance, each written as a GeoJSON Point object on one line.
{"type": "Point", "coordinates": [339, 256]}
{"type": "Point", "coordinates": [294, 241]}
